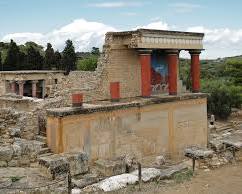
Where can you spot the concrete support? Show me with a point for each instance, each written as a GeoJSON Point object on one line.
{"type": "Point", "coordinates": [145, 62]}
{"type": "Point", "coordinates": [195, 70]}
{"type": "Point", "coordinates": [172, 60]}
{"type": "Point", "coordinates": [115, 91]}
{"type": "Point", "coordinates": [21, 87]}
{"type": "Point", "coordinates": [13, 86]}
{"type": "Point", "coordinates": [34, 88]}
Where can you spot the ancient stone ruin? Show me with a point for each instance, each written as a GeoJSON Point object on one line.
{"type": "Point", "coordinates": [133, 110]}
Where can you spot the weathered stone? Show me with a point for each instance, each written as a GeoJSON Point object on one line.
{"type": "Point", "coordinates": [14, 132]}
{"type": "Point", "coordinates": [148, 174]}
{"type": "Point", "coordinates": [117, 182]}
{"type": "Point", "coordinates": [169, 172]}
{"type": "Point", "coordinates": [160, 160]}
{"type": "Point", "coordinates": [54, 166]}
{"type": "Point", "coordinates": [3, 164]}
{"type": "Point", "coordinates": [6, 153]}
{"type": "Point", "coordinates": [110, 168]}
{"type": "Point", "coordinates": [13, 163]}
{"type": "Point", "coordinates": [198, 152]}
{"type": "Point", "coordinates": [78, 162]}
{"type": "Point", "coordinates": [216, 145]}
{"type": "Point", "coordinates": [88, 179]}
{"type": "Point", "coordinates": [17, 150]}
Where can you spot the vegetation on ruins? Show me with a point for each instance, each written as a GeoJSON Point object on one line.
{"type": "Point", "coordinates": [89, 62]}
{"type": "Point", "coordinates": [49, 62]}
{"type": "Point", "coordinates": [69, 57]}
{"type": "Point", "coordinates": [221, 79]}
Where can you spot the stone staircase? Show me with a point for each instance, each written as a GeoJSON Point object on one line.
{"type": "Point", "coordinates": [44, 151]}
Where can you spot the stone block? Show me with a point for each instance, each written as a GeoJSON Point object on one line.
{"type": "Point", "coordinates": [110, 167]}
{"type": "Point", "coordinates": [78, 162]}
{"type": "Point", "coordinates": [54, 166]}
{"type": "Point", "coordinates": [13, 163]}
{"type": "Point", "coordinates": [3, 164]}
{"type": "Point", "coordinates": [6, 153]}
{"type": "Point", "coordinates": [14, 132]}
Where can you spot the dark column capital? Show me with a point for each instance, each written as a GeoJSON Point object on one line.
{"type": "Point", "coordinates": [144, 51]}
{"type": "Point", "coordinates": [172, 51]}
{"type": "Point", "coordinates": [195, 52]}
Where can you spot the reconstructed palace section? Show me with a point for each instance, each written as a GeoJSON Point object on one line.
{"type": "Point", "coordinates": [146, 62]}
{"type": "Point", "coordinates": [141, 128]}
{"type": "Point", "coordinates": [39, 84]}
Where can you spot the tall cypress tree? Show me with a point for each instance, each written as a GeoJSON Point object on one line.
{"type": "Point", "coordinates": [1, 64]}
{"type": "Point", "coordinates": [49, 57]}
{"type": "Point", "coordinates": [69, 57]}
{"type": "Point", "coordinates": [34, 59]}
{"type": "Point", "coordinates": [12, 61]}
{"type": "Point", "coordinates": [58, 60]}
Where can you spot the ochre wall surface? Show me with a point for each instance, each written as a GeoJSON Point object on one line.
{"type": "Point", "coordinates": [141, 132]}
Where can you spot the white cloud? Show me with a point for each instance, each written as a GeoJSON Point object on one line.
{"type": "Point", "coordinates": [158, 25]}
{"type": "Point", "coordinates": [184, 7]}
{"type": "Point", "coordinates": [116, 4]}
{"type": "Point", "coordinates": [84, 35]}
{"type": "Point", "coordinates": [219, 42]}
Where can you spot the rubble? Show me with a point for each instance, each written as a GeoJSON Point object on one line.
{"type": "Point", "coordinates": [110, 167]}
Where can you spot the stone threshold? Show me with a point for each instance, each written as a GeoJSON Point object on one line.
{"type": "Point", "coordinates": [107, 105]}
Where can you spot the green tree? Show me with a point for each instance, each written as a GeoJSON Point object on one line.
{"type": "Point", "coordinates": [14, 58]}
{"type": "Point", "coordinates": [95, 51]}
{"type": "Point", "coordinates": [1, 65]}
{"type": "Point", "coordinates": [34, 61]}
{"type": "Point", "coordinates": [234, 71]}
{"type": "Point", "coordinates": [49, 57]}
{"type": "Point", "coordinates": [69, 57]}
{"type": "Point", "coordinates": [88, 64]}
{"type": "Point", "coordinates": [58, 64]}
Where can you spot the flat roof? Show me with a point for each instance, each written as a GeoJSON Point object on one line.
{"type": "Point", "coordinates": [160, 32]}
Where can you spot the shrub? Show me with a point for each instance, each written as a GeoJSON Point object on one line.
{"type": "Point", "coordinates": [222, 97]}
{"type": "Point", "coordinates": [88, 64]}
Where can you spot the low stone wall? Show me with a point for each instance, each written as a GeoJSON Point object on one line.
{"type": "Point", "coordinates": [141, 128]}
{"type": "Point", "coordinates": [19, 153]}
{"type": "Point", "coordinates": [18, 123]}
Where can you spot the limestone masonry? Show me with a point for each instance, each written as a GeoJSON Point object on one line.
{"type": "Point", "coordinates": [134, 104]}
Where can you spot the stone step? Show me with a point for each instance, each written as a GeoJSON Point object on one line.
{"type": "Point", "coordinates": [58, 165]}
{"type": "Point", "coordinates": [44, 155]}
{"type": "Point", "coordinates": [44, 150]}
{"type": "Point", "coordinates": [41, 138]}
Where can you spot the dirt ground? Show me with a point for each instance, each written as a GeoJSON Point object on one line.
{"type": "Point", "coordinates": [225, 180]}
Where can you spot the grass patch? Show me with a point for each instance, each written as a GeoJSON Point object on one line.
{"type": "Point", "coordinates": [15, 178]}
{"type": "Point", "coordinates": [183, 176]}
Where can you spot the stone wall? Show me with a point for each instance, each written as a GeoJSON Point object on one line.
{"type": "Point", "coordinates": [23, 123]}
{"type": "Point", "coordinates": [146, 131]}
{"type": "Point", "coordinates": [116, 64]}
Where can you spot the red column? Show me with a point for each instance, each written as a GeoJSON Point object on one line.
{"type": "Point", "coordinates": [77, 100]}
{"type": "Point", "coordinates": [115, 91]}
{"type": "Point", "coordinates": [145, 61]}
{"type": "Point", "coordinates": [34, 88]}
{"type": "Point", "coordinates": [13, 87]}
{"type": "Point", "coordinates": [195, 70]}
{"type": "Point", "coordinates": [172, 60]}
{"type": "Point", "coordinates": [21, 88]}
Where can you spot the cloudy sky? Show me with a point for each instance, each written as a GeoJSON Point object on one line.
{"type": "Point", "coordinates": [86, 21]}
